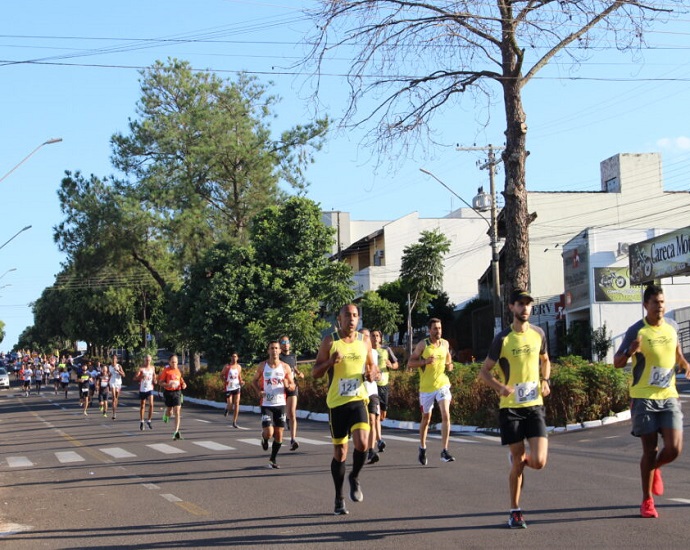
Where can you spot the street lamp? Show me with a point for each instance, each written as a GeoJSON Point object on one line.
{"type": "Point", "coordinates": [8, 271]}
{"type": "Point", "coordinates": [13, 237]}
{"type": "Point", "coordinates": [480, 206]}
{"type": "Point", "coordinates": [27, 157]}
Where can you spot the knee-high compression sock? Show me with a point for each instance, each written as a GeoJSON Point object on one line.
{"type": "Point", "coordinates": [274, 450]}
{"type": "Point", "coordinates": [338, 473]}
{"type": "Point", "coordinates": [358, 458]}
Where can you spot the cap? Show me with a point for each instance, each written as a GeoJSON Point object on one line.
{"type": "Point", "coordinates": [519, 294]}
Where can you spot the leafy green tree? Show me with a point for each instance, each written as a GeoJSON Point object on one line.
{"type": "Point", "coordinates": [2, 331]}
{"type": "Point", "coordinates": [379, 313]}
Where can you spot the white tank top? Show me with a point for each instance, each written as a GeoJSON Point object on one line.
{"type": "Point", "coordinates": [274, 386]}
{"type": "Point", "coordinates": [232, 380]}
{"type": "Point", "coordinates": [146, 382]}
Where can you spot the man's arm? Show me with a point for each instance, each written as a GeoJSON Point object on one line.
{"type": "Point", "coordinates": [491, 381]}
{"type": "Point", "coordinates": [324, 360]}
{"type": "Point", "coordinates": [371, 368]}
{"type": "Point", "coordinates": [415, 359]}
{"type": "Point", "coordinates": [682, 362]}
{"type": "Point", "coordinates": [289, 379]}
{"type": "Point", "coordinates": [545, 372]}
{"type": "Point", "coordinates": [255, 380]}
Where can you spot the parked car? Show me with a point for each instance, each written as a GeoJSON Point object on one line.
{"type": "Point", "coordinates": [4, 378]}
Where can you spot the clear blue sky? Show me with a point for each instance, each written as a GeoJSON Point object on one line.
{"type": "Point", "coordinates": [70, 70]}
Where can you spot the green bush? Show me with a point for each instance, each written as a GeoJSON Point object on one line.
{"type": "Point", "coordinates": [580, 391]}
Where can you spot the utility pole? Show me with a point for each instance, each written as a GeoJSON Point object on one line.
{"type": "Point", "coordinates": [490, 164]}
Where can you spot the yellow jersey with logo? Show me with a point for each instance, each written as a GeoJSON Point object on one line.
{"type": "Point", "coordinates": [345, 380]}
{"type": "Point", "coordinates": [517, 355]}
{"type": "Point", "coordinates": [433, 377]}
{"type": "Point", "coordinates": [383, 366]}
{"type": "Point", "coordinates": [654, 363]}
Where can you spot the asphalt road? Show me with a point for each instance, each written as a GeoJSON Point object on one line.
{"type": "Point", "coordinates": [74, 481]}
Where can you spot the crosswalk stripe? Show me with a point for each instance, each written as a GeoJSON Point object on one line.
{"type": "Point", "coordinates": [400, 438]}
{"type": "Point", "coordinates": [454, 439]}
{"type": "Point", "coordinates": [18, 462]}
{"type": "Point", "coordinates": [165, 448]}
{"type": "Point", "coordinates": [213, 446]}
{"type": "Point", "coordinates": [312, 441]}
{"type": "Point", "coordinates": [66, 457]}
{"type": "Point", "coordinates": [117, 452]}
{"type": "Point", "coordinates": [254, 441]}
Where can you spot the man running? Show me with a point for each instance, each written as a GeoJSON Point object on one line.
{"type": "Point", "coordinates": [26, 373]}
{"type": "Point", "coordinates": [117, 373]}
{"type": "Point", "coordinates": [172, 382]}
{"type": "Point", "coordinates": [103, 387]}
{"type": "Point", "coordinates": [291, 361]}
{"type": "Point", "coordinates": [84, 381]}
{"type": "Point", "coordinates": [522, 383]}
{"type": "Point", "coordinates": [231, 375]}
{"type": "Point", "coordinates": [432, 357]}
{"type": "Point", "coordinates": [343, 355]}
{"type": "Point", "coordinates": [64, 379]}
{"type": "Point", "coordinates": [271, 381]}
{"type": "Point", "coordinates": [373, 407]}
{"type": "Point", "coordinates": [147, 381]}
{"type": "Point", "coordinates": [387, 361]}
{"type": "Point", "coordinates": [652, 343]}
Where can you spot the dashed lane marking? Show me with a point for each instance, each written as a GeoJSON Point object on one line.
{"type": "Point", "coordinates": [66, 457]}
{"type": "Point", "coordinates": [117, 452]}
{"type": "Point", "coordinates": [213, 446]}
{"type": "Point", "coordinates": [166, 449]}
{"type": "Point", "coordinates": [18, 462]}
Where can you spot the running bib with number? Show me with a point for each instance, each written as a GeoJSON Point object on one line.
{"type": "Point", "coordinates": [660, 377]}
{"type": "Point", "coordinates": [525, 392]}
{"type": "Point", "coordinates": [349, 387]}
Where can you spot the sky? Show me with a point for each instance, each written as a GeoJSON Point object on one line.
{"type": "Point", "coordinates": [70, 70]}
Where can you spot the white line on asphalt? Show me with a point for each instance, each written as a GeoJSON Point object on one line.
{"type": "Point", "coordinates": [454, 439]}
{"type": "Point", "coordinates": [255, 441]}
{"type": "Point", "coordinates": [312, 441]}
{"type": "Point", "coordinates": [65, 457]}
{"type": "Point", "coordinates": [18, 462]}
{"type": "Point", "coordinates": [681, 500]}
{"type": "Point", "coordinates": [400, 438]}
{"type": "Point", "coordinates": [487, 437]}
{"type": "Point", "coordinates": [165, 448]}
{"type": "Point", "coordinates": [212, 445]}
{"type": "Point", "coordinates": [151, 486]}
{"type": "Point", "coordinates": [171, 498]}
{"type": "Point", "coordinates": [204, 421]}
{"type": "Point", "coordinates": [117, 452]}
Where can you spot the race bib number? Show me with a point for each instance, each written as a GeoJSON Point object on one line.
{"type": "Point", "coordinates": [269, 397]}
{"type": "Point", "coordinates": [349, 387]}
{"type": "Point", "coordinates": [525, 392]}
{"type": "Point", "coordinates": [660, 377]}
{"type": "Point", "coordinates": [174, 385]}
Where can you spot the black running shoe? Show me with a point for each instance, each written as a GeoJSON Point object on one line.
{"type": "Point", "coordinates": [340, 509]}
{"type": "Point", "coordinates": [373, 457]}
{"type": "Point", "coordinates": [356, 494]}
{"type": "Point", "coordinates": [446, 456]}
{"type": "Point", "coordinates": [264, 444]}
{"type": "Point", "coordinates": [294, 445]}
{"type": "Point", "coordinates": [273, 465]}
{"type": "Point", "coordinates": [422, 457]}
{"type": "Point", "coordinates": [382, 445]}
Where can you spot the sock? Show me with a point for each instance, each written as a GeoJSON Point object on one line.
{"type": "Point", "coordinates": [338, 473]}
{"type": "Point", "coordinates": [358, 458]}
{"type": "Point", "coordinates": [274, 450]}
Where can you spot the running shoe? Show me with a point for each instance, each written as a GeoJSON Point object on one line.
{"type": "Point", "coordinates": [225, 413]}
{"type": "Point", "coordinates": [516, 521]}
{"type": "Point", "coordinates": [340, 509]}
{"type": "Point", "coordinates": [105, 414]}
{"type": "Point", "coordinates": [177, 435]}
{"type": "Point", "coordinates": [294, 445]}
{"type": "Point", "coordinates": [647, 509]}
{"type": "Point", "coordinates": [356, 494]}
{"type": "Point", "coordinates": [165, 418]}
{"type": "Point", "coordinates": [264, 444]}
{"type": "Point", "coordinates": [234, 425]}
{"type": "Point", "coordinates": [422, 457]}
{"type": "Point", "coordinates": [114, 416]}
{"type": "Point", "coordinates": [141, 426]}
{"type": "Point", "coordinates": [148, 423]}
{"type": "Point", "coordinates": [446, 456]}
{"type": "Point", "coordinates": [382, 445]}
{"type": "Point", "coordinates": [85, 413]}
{"type": "Point", "coordinates": [373, 457]}
{"type": "Point", "coordinates": [657, 483]}
{"type": "Point", "coordinates": [273, 465]}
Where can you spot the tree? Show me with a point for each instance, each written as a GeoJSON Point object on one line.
{"type": "Point", "coordinates": [2, 331]}
{"type": "Point", "coordinates": [421, 272]}
{"type": "Point", "coordinates": [379, 313]}
{"type": "Point", "coordinates": [416, 59]}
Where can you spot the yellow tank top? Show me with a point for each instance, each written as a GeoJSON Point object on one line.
{"type": "Point", "coordinates": [433, 377]}
{"type": "Point", "coordinates": [345, 378]}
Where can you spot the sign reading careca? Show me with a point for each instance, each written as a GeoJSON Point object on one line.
{"type": "Point", "coordinates": [663, 256]}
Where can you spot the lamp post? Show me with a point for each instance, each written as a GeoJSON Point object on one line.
{"type": "Point", "coordinates": [12, 238]}
{"type": "Point", "coordinates": [479, 206]}
{"type": "Point", "coordinates": [27, 157]}
{"type": "Point", "coordinates": [8, 271]}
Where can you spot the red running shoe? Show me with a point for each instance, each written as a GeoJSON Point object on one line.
{"type": "Point", "coordinates": [647, 509]}
{"type": "Point", "coordinates": [657, 483]}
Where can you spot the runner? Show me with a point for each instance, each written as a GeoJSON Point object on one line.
{"type": "Point", "coordinates": [146, 376]}
{"type": "Point", "coordinates": [373, 407]}
{"type": "Point", "coordinates": [271, 382]}
{"type": "Point", "coordinates": [173, 383]}
{"type": "Point", "coordinates": [56, 378]}
{"type": "Point", "coordinates": [64, 379]}
{"type": "Point", "coordinates": [432, 357]}
{"type": "Point", "coordinates": [103, 386]}
{"type": "Point", "coordinates": [84, 381]}
{"type": "Point", "coordinates": [117, 373]}
{"type": "Point", "coordinates": [387, 362]}
{"type": "Point", "coordinates": [290, 359]}
{"type": "Point", "coordinates": [522, 383]}
{"type": "Point", "coordinates": [26, 373]}
{"type": "Point", "coordinates": [232, 380]}
{"type": "Point", "coordinates": [653, 345]}
{"type": "Point", "coordinates": [342, 355]}
{"type": "Point", "coordinates": [38, 377]}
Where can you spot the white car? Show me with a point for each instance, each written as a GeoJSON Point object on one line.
{"type": "Point", "coordinates": [4, 378]}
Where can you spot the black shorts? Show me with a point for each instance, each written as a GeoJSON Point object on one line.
{"type": "Point", "coordinates": [383, 397]}
{"type": "Point", "coordinates": [172, 398]}
{"type": "Point", "coordinates": [84, 390]}
{"type": "Point", "coordinates": [64, 385]}
{"type": "Point", "coordinates": [295, 393]}
{"type": "Point", "coordinates": [346, 418]}
{"type": "Point", "coordinates": [232, 392]}
{"type": "Point", "coordinates": [273, 416]}
{"type": "Point", "coordinates": [521, 423]}
{"type": "Point", "coordinates": [374, 407]}
{"type": "Point", "coordinates": [143, 395]}
{"type": "Point", "coordinates": [103, 394]}
{"type": "Point", "coordinates": [27, 383]}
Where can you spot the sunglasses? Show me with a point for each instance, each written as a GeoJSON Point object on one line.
{"type": "Point", "coordinates": [285, 341]}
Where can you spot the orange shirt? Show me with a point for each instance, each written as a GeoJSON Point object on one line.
{"type": "Point", "coordinates": [171, 379]}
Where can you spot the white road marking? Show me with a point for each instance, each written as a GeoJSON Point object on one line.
{"type": "Point", "coordinates": [212, 445]}
{"type": "Point", "coordinates": [151, 486]}
{"type": "Point", "coordinates": [19, 462]}
{"type": "Point", "coordinates": [454, 439]}
{"type": "Point", "coordinates": [165, 448]}
{"type": "Point", "coordinates": [65, 457]}
{"type": "Point", "coordinates": [254, 441]}
{"type": "Point", "coordinates": [201, 420]}
{"type": "Point", "coordinates": [171, 498]}
{"type": "Point", "coordinates": [117, 452]}
{"type": "Point", "coordinates": [301, 440]}
{"type": "Point", "coordinates": [681, 500]}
